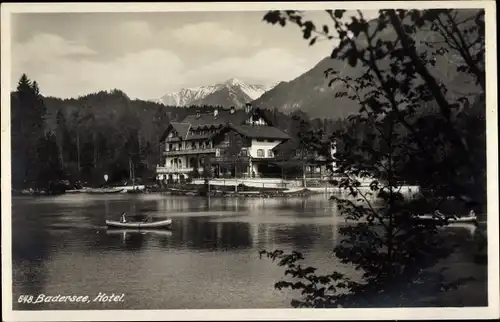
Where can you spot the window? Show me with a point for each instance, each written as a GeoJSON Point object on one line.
{"type": "Point", "coordinates": [170, 147]}
{"type": "Point", "coordinates": [260, 140]}
{"type": "Point", "coordinates": [244, 153]}
{"type": "Point", "coordinates": [193, 146]}
{"type": "Point", "coordinates": [260, 153]}
{"type": "Point", "coordinates": [270, 153]}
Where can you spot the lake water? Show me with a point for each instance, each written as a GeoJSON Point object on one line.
{"type": "Point", "coordinates": [209, 258]}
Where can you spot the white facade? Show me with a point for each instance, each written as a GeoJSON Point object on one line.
{"type": "Point", "coordinates": [261, 148]}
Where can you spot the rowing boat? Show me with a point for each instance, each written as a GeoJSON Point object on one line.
{"type": "Point", "coordinates": [450, 219]}
{"type": "Point", "coordinates": [140, 225]}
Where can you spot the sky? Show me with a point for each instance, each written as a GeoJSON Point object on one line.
{"type": "Point", "coordinates": [148, 54]}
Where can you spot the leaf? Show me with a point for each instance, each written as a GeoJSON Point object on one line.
{"type": "Point", "coordinates": [352, 60]}
{"type": "Point", "coordinates": [306, 33]}
{"type": "Point", "coordinates": [272, 16]}
{"type": "Point", "coordinates": [338, 13]}
{"type": "Point", "coordinates": [335, 53]}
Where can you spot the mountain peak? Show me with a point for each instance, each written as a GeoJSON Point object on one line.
{"type": "Point", "coordinates": [233, 92]}
{"type": "Point", "coordinates": [233, 82]}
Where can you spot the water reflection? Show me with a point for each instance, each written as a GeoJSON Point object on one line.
{"type": "Point", "coordinates": [61, 244]}
{"type": "Point", "coordinates": [134, 240]}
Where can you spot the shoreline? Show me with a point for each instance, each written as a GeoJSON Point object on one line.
{"type": "Point", "coordinates": [196, 189]}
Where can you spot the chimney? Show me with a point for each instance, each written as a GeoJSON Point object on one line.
{"type": "Point", "coordinates": [216, 112]}
{"type": "Point", "coordinates": [248, 107]}
{"type": "Point", "coordinates": [198, 114]}
{"type": "Point", "coordinates": [231, 110]}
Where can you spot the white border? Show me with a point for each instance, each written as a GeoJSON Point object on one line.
{"type": "Point", "coordinates": [490, 312]}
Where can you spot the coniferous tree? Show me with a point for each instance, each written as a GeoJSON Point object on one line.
{"type": "Point", "coordinates": [27, 121]}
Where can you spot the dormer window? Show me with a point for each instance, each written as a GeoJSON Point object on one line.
{"type": "Point", "coordinates": [260, 153]}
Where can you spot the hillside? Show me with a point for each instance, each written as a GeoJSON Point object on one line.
{"type": "Point", "coordinates": [310, 91]}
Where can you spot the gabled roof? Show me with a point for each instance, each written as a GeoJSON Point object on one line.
{"type": "Point", "coordinates": [255, 131]}
{"type": "Point", "coordinates": [260, 132]}
{"type": "Point", "coordinates": [223, 116]}
{"type": "Point", "coordinates": [182, 130]}
{"type": "Point", "coordinates": [288, 146]}
{"type": "Point", "coordinates": [290, 149]}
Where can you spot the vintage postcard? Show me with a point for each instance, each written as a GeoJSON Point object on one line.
{"type": "Point", "coordinates": [248, 161]}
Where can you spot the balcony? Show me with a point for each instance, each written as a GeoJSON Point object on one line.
{"type": "Point", "coordinates": [167, 170]}
{"type": "Point", "coordinates": [188, 151]}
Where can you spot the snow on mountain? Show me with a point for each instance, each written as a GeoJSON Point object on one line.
{"type": "Point", "coordinates": [231, 91]}
{"type": "Point", "coordinates": [187, 95]}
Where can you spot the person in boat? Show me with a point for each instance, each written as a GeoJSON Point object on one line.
{"type": "Point", "coordinates": [123, 218]}
{"type": "Point", "coordinates": [438, 213]}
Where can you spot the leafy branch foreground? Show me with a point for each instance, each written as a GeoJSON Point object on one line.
{"type": "Point", "coordinates": [336, 290]}
{"type": "Point", "coordinates": [413, 129]}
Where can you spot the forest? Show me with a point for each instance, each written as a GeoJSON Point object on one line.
{"type": "Point", "coordinates": [73, 142]}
